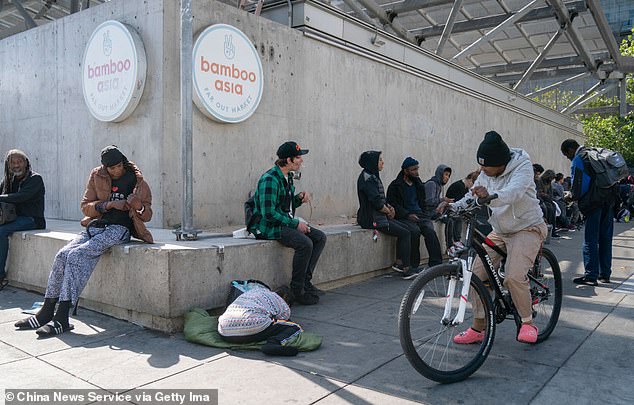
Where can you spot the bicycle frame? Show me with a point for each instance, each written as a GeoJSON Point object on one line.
{"type": "Point", "coordinates": [474, 249]}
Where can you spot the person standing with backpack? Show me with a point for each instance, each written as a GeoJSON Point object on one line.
{"type": "Point", "coordinates": [597, 205]}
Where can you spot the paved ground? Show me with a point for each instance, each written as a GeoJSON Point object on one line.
{"type": "Point", "coordinates": [588, 359]}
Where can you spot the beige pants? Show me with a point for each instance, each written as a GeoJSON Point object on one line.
{"type": "Point", "coordinates": [521, 248]}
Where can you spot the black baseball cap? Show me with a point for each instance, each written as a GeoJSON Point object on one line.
{"type": "Point", "coordinates": [290, 149]}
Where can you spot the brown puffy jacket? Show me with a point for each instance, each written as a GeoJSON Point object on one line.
{"type": "Point", "coordinates": [98, 189]}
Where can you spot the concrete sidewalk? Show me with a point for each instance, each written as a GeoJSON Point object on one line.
{"type": "Point", "coordinates": [588, 359]}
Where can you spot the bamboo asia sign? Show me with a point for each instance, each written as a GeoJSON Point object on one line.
{"type": "Point", "coordinates": [114, 68]}
{"type": "Point", "coordinates": [227, 73]}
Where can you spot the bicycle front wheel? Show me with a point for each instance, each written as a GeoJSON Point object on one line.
{"type": "Point", "coordinates": [546, 292]}
{"type": "Point", "coordinates": [428, 339]}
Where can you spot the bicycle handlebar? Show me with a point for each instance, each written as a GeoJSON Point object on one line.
{"type": "Point", "coordinates": [486, 200]}
{"type": "Point", "coordinates": [472, 205]}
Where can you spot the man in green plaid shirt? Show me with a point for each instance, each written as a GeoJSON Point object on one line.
{"type": "Point", "coordinates": [274, 218]}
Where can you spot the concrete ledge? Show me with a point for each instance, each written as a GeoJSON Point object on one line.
{"type": "Point", "coordinates": [155, 285]}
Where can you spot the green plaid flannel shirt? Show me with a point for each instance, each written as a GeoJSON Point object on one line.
{"type": "Point", "coordinates": [268, 199]}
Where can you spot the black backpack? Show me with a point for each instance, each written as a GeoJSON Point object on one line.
{"type": "Point", "coordinates": [250, 218]}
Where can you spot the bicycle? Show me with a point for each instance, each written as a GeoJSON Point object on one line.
{"type": "Point", "coordinates": [438, 303]}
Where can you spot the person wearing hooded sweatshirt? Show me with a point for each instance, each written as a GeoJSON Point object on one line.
{"type": "Point", "coordinates": [375, 213]}
{"type": "Point", "coordinates": [406, 193]}
{"type": "Point", "coordinates": [518, 226]}
{"type": "Point", "coordinates": [433, 191]}
{"type": "Point", "coordinates": [25, 189]}
{"type": "Point", "coordinates": [116, 203]}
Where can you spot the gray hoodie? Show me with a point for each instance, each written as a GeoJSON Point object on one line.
{"type": "Point", "coordinates": [517, 206]}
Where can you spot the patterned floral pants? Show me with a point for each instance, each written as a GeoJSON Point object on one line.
{"type": "Point", "coordinates": [75, 262]}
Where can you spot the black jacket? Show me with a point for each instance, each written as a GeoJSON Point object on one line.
{"type": "Point", "coordinates": [396, 195]}
{"type": "Point", "coordinates": [28, 197]}
{"type": "Point", "coordinates": [370, 192]}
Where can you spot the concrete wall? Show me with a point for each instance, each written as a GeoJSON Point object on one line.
{"type": "Point", "coordinates": [43, 110]}
{"type": "Point", "coordinates": [331, 101]}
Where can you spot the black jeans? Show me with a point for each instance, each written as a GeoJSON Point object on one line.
{"type": "Point", "coordinates": [453, 231]}
{"type": "Point", "coordinates": [407, 241]}
{"type": "Point", "coordinates": [432, 243]}
{"type": "Point", "coordinates": [308, 248]}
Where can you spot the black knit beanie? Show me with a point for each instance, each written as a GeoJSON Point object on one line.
{"type": "Point", "coordinates": [111, 155]}
{"type": "Point", "coordinates": [493, 151]}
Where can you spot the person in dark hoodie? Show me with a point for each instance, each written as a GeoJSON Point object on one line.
{"type": "Point", "coordinates": [406, 193]}
{"type": "Point", "coordinates": [375, 213]}
{"type": "Point", "coordinates": [433, 191]}
{"type": "Point", "coordinates": [25, 189]}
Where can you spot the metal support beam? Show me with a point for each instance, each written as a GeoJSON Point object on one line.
{"type": "Point", "coordinates": [390, 20]}
{"type": "Point", "coordinates": [448, 26]}
{"type": "Point", "coordinates": [411, 5]}
{"type": "Point", "coordinates": [28, 20]}
{"type": "Point", "coordinates": [551, 74]}
{"type": "Point", "coordinates": [604, 28]}
{"type": "Point", "coordinates": [187, 230]}
{"type": "Point", "coordinates": [546, 63]}
{"type": "Point", "coordinates": [539, 59]}
{"type": "Point", "coordinates": [489, 35]}
{"type": "Point", "coordinates": [481, 23]}
{"type": "Point", "coordinates": [573, 34]}
{"type": "Point", "coordinates": [586, 100]}
{"type": "Point", "coordinates": [74, 6]}
{"type": "Point", "coordinates": [359, 12]}
{"type": "Point", "coordinates": [624, 63]}
{"type": "Point", "coordinates": [608, 109]}
{"type": "Point", "coordinates": [623, 97]}
{"type": "Point", "coordinates": [558, 84]}
{"type": "Point", "coordinates": [582, 97]}
{"type": "Point", "coordinates": [47, 6]}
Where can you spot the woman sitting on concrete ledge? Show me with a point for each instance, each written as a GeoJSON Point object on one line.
{"type": "Point", "coordinates": [117, 202]}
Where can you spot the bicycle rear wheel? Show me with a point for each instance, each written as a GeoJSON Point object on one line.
{"type": "Point", "coordinates": [546, 293]}
{"type": "Point", "coordinates": [427, 340]}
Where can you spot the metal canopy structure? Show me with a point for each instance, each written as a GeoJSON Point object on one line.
{"type": "Point", "coordinates": [513, 42]}
{"type": "Point", "coordinates": [19, 15]}
{"type": "Point", "coordinates": [523, 44]}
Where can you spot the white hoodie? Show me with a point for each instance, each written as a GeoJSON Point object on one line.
{"type": "Point", "coordinates": [517, 206]}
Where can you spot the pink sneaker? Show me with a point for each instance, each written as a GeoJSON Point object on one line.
{"type": "Point", "coordinates": [528, 334]}
{"type": "Point", "coordinates": [468, 337]}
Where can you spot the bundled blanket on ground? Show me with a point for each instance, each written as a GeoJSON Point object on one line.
{"type": "Point", "coordinates": [202, 328]}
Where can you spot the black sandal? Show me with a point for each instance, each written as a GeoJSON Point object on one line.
{"type": "Point", "coordinates": [29, 323]}
{"type": "Point", "coordinates": [53, 329]}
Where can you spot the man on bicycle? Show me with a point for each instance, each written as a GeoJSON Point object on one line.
{"type": "Point", "coordinates": [518, 226]}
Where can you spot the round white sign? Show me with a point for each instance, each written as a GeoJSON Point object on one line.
{"type": "Point", "coordinates": [113, 71]}
{"type": "Point", "coordinates": [227, 74]}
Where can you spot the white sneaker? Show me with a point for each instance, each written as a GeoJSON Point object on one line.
{"type": "Point", "coordinates": [452, 251]}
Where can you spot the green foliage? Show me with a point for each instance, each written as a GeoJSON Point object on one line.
{"type": "Point", "coordinates": [555, 99]}
{"type": "Point", "coordinates": [613, 132]}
